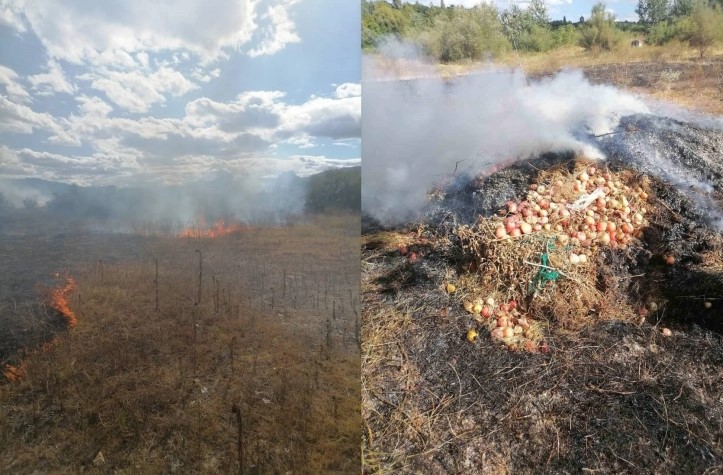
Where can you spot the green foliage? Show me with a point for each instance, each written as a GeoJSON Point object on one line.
{"type": "Point", "coordinates": [334, 189]}
{"type": "Point", "coordinates": [706, 28]}
{"type": "Point", "coordinates": [701, 28]}
{"type": "Point", "coordinates": [380, 19]}
{"type": "Point", "coordinates": [681, 8]}
{"type": "Point", "coordinates": [599, 31]}
{"type": "Point", "coordinates": [565, 36]}
{"type": "Point", "coordinates": [667, 31]}
{"type": "Point", "coordinates": [652, 12]}
{"type": "Point", "coordinates": [528, 29]}
{"type": "Point", "coordinates": [473, 33]}
{"type": "Point", "coordinates": [538, 13]}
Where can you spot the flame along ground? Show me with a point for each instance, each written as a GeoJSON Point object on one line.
{"type": "Point", "coordinates": [59, 302]}
{"type": "Point", "coordinates": [219, 229]}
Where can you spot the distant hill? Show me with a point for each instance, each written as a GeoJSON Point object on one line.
{"type": "Point", "coordinates": [334, 189]}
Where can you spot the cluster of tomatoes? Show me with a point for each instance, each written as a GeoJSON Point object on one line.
{"type": "Point", "coordinates": [596, 209]}
{"type": "Point", "coordinates": [507, 324]}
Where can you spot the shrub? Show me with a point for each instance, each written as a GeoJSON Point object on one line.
{"type": "Point", "coordinates": [706, 28]}
{"type": "Point", "coordinates": [472, 34]}
{"type": "Point", "coordinates": [564, 36]}
{"type": "Point", "coordinates": [599, 30]}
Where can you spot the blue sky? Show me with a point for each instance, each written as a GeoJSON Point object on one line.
{"type": "Point", "coordinates": [572, 9]}
{"type": "Point", "coordinates": [131, 91]}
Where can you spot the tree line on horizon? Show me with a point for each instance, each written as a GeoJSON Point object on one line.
{"type": "Point", "coordinates": [328, 191]}
{"type": "Point", "coordinates": [455, 33]}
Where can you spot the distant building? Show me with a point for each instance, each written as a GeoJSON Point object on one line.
{"type": "Point", "coordinates": [636, 43]}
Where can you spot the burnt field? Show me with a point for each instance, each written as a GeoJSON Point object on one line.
{"type": "Point", "coordinates": [555, 315]}
{"type": "Point", "coordinates": [212, 353]}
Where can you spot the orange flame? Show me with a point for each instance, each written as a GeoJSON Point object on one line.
{"type": "Point", "coordinates": [219, 229]}
{"type": "Point", "coordinates": [59, 301]}
{"type": "Point", "coordinates": [14, 373]}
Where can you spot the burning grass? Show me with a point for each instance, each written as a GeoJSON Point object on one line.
{"type": "Point", "coordinates": [218, 229]}
{"type": "Point", "coordinates": [268, 340]}
{"type": "Point", "coordinates": [606, 372]}
{"type": "Point", "coordinates": [59, 300]}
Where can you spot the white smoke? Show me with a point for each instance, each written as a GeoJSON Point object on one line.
{"type": "Point", "coordinates": [415, 132]}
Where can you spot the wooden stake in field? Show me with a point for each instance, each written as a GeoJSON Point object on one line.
{"type": "Point", "coordinates": [328, 338]}
{"type": "Point", "coordinates": [231, 347]}
{"type": "Point", "coordinates": [155, 283]}
{"type": "Point", "coordinates": [200, 276]}
{"type": "Point", "coordinates": [240, 445]}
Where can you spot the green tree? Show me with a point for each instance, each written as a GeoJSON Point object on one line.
{"type": "Point", "coordinates": [537, 10]}
{"type": "Point", "coordinates": [707, 23]}
{"type": "Point", "coordinates": [599, 30]}
{"type": "Point", "coordinates": [681, 8]}
{"type": "Point", "coordinates": [381, 19]}
{"type": "Point", "coordinates": [652, 12]}
{"type": "Point", "coordinates": [528, 29]}
{"type": "Point", "coordinates": [466, 34]}
{"type": "Point", "coordinates": [565, 35]}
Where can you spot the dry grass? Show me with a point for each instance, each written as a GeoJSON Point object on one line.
{"type": "Point", "coordinates": [153, 391]}
{"type": "Point", "coordinates": [672, 73]}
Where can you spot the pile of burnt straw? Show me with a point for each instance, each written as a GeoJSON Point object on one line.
{"type": "Point", "coordinates": [567, 242]}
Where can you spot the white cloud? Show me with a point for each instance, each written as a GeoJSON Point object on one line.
{"type": "Point", "coordinates": [117, 58]}
{"type": "Point", "coordinates": [11, 15]}
{"type": "Point", "coordinates": [199, 74]}
{"type": "Point", "coordinates": [142, 58]}
{"type": "Point", "coordinates": [279, 33]}
{"type": "Point", "coordinates": [302, 165]}
{"type": "Point", "coordinates": [14, 90]}
{"type": "Point", "coordinates": [348, 90]}
{"type": "Point", "coordinates": [136, 91]}
{"type": "Point", "coordinates": [94, 107]}
{"type": "Point", "coordinates": [51, 82]}
{"type": "Point", "coordinates": [325, 117]}
{"type": "Point", "coordinates": [82, 30]}
{"type": "Point", "coordinates": [265, 113]}
{"type": "Point", "coordinates": [21, 119]}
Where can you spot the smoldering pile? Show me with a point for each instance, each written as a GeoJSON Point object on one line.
{"type": "Point", "coordinates": [565, 241]}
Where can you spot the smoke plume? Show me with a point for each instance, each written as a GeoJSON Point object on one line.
{"type": "Point", "coordinates": [416, 132]}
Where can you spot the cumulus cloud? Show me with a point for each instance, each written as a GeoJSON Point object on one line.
{"type": "Point", "coordinates": [348, 89]}
{"type": "Point", "coordinates": [51, 82]}
{"type": "Point", "coordinates": [325, 117]}
{"type": "Point", "coordinates": [82, 30]}
{"type": "Point", "coordinates": [21, 119]}
{"type": "Point", "coordinates": [266, 113]}
{"type": "Point", "coordinates": [13, 89]}
{"type": "Point", "coordinates": [211, 132]}
{"type": "Point", "coordinates": [136, 91]}
{"type": "Point", "coordinates": [11, 16]}
{"type": "Point", "coordinates": [84, 114]}
{"type": "Point", "coordinates": [279, 32]}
